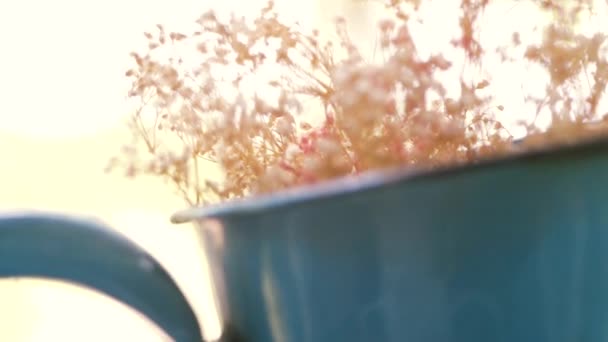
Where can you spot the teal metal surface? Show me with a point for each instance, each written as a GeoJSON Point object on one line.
{"type": "Point", "coordinates": [506, 250]}
{"type": "Point", "coordinates": [90, 254]}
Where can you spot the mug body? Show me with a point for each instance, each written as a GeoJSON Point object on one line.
{"type": "Point", "coordinates": [511, 250]}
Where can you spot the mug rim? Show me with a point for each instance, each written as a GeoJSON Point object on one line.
{"type": "Point", "coordinates": [375, 179]}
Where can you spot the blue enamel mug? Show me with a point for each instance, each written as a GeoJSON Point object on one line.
{"type": "Point", "coordinates": [511, 249]}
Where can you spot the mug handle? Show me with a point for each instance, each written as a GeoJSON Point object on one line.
{"type": "Point", "coordinates": [91, 254]}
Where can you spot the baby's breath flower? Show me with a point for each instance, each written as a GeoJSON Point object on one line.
{"type": "Point", "coordinates": [284, 126]}
{"type": "Point", "coordinates": [292, 151]}
{"type": "Point", "coordinates": [328, 146]}
{"type": "Point", "coordinates": [196, 117]}
{"type": "Point", "coordinates": [311, 164]}
{"type": "Point", "coordinates": [386, 25]}
{"type": "Point", "coordinates": [279, 175]}
{"type": "Point", "coordinates": [219, 149]}
{"type": "Point", "coordinates": [451, 127]}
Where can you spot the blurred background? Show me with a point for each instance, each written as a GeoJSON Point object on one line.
{"type": "Point", "coordinates": [62, 116]}
{"type": "Point", "coordinates": [62, 112]}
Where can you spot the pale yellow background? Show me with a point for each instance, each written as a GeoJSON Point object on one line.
{"type": "Point", "coordinates": [61, 105]}
{"type": "Point", "coordinates": [62, 108]}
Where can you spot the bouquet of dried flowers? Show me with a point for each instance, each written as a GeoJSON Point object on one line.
{"type": "Point", "coordinates": [243, 107]}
